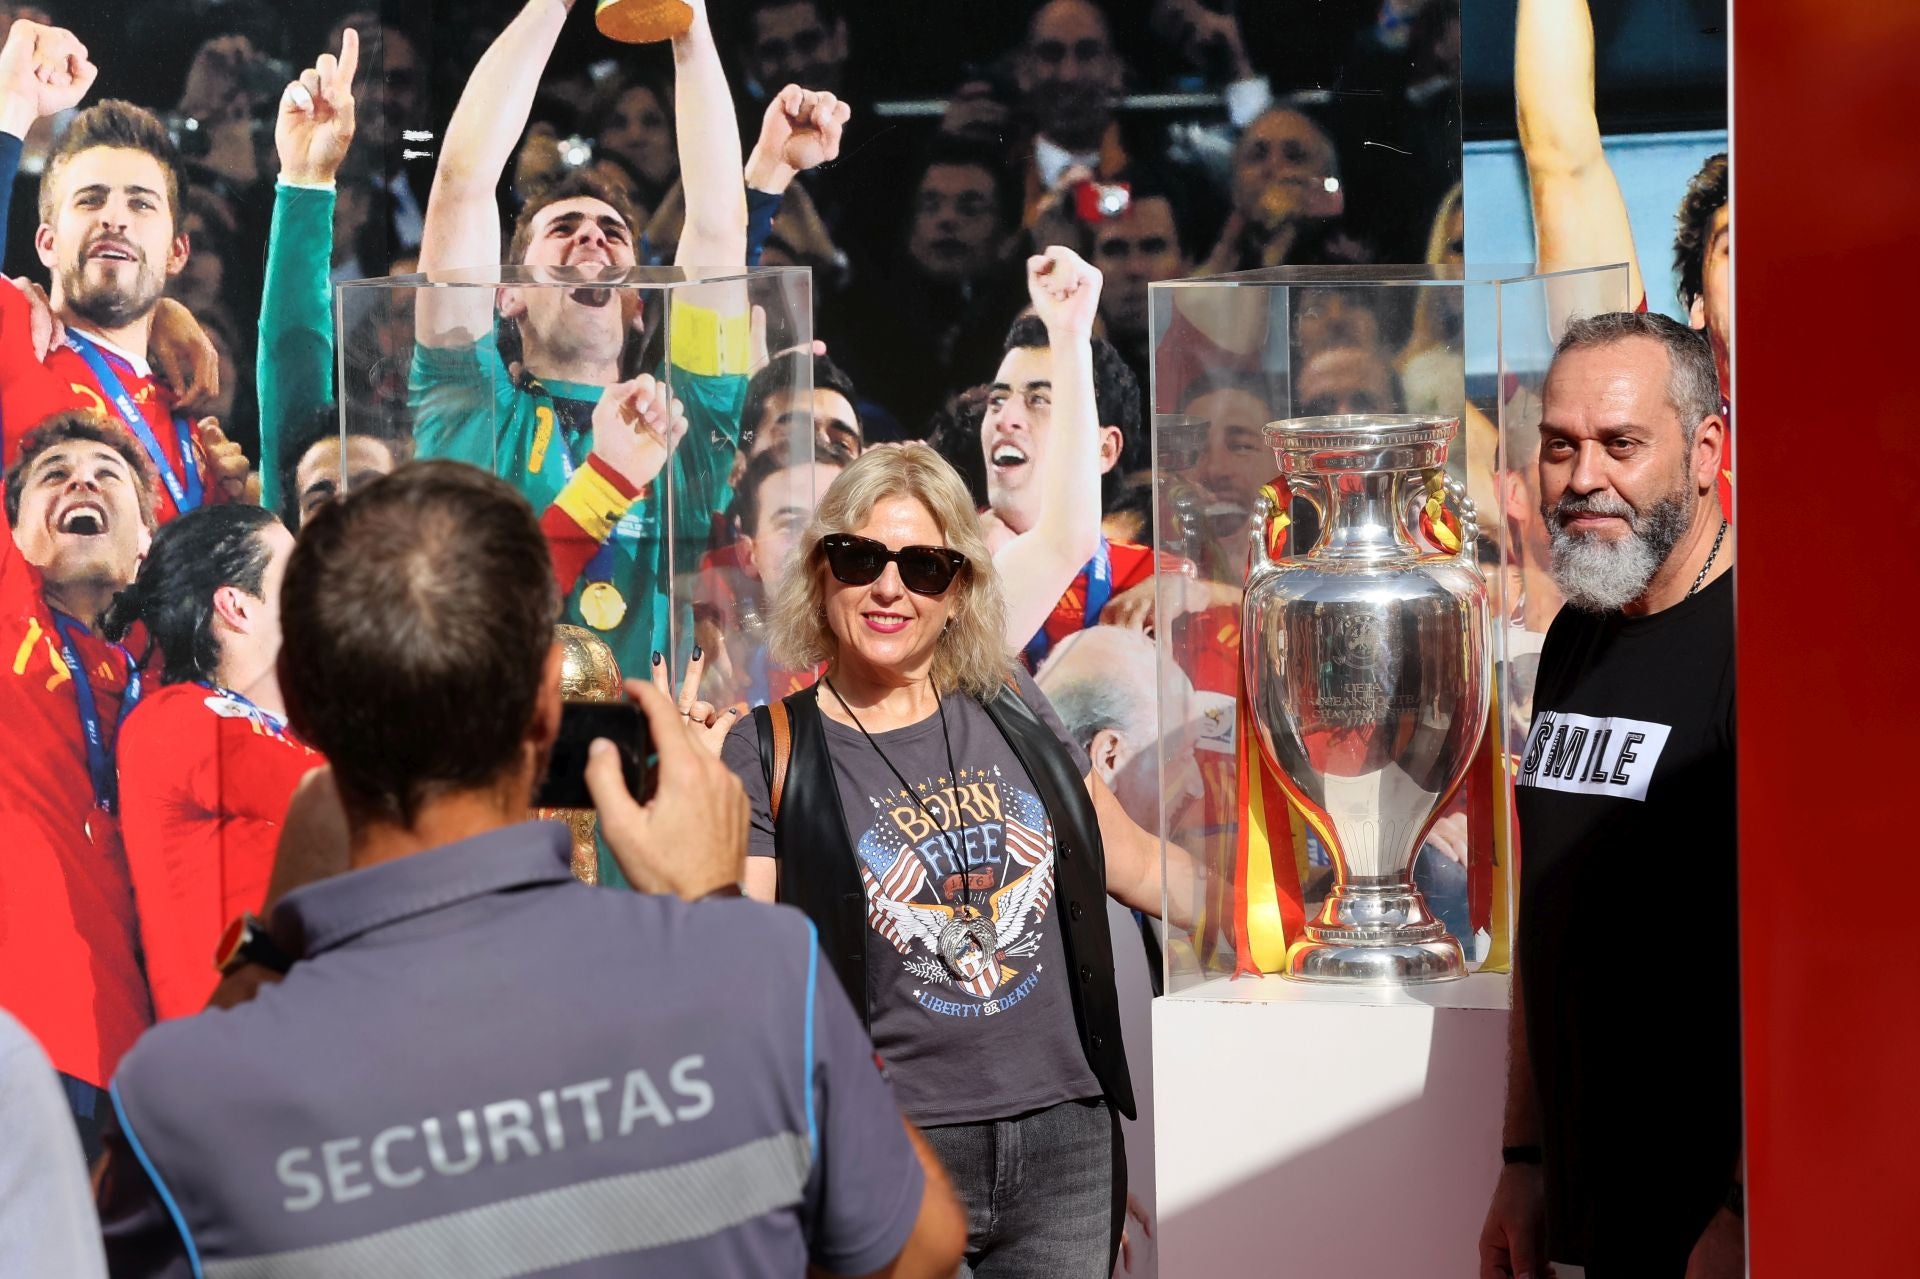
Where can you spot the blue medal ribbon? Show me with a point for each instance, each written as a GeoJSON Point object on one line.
{"type": "Point", "coordinates": [106, 781]}
{"type": "Point", "coordinates": [186, 493]}
{"type": "Point", "coordinates": [1099, 571]}
{"type": "Point", "coordinates": [258, 714]}
{"type": "Point", "coordinates": [600, 567]}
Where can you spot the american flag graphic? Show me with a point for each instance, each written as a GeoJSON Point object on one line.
{"type": "Point", "coordinates": [902, 883]}
{"type": "Point", "coordinates": [1029, 833]}
{"type": "Point", "coordinates": [883, 846]}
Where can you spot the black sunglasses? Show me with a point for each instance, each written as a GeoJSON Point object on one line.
{"type": "Point", "coordinates": [924, 570]}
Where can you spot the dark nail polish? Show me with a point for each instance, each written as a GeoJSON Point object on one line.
{"type": "Point", "coordinates": [696, 652]}
{"type": "Point", "coordinates": [656, 657]}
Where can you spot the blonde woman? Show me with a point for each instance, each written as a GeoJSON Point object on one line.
{"type": "Point", "coordinates": [924, 806]}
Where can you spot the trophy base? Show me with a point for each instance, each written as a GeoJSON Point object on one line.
{"type": "Point", "coordinates": [1362, 964]}
{"type": "Point", "coordinates": [1377, 933]}
{"type": "Point", "coordinates": [643, 21]}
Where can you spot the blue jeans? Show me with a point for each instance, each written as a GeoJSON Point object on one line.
{"type": "Point", "coordinates": [1046, 1193]}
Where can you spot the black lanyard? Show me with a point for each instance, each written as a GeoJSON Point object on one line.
{"type": "Point", "coordinates": [966, 862]}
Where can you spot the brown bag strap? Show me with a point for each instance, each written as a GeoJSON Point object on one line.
{"type": "Point", "coordinates": [782, 754]}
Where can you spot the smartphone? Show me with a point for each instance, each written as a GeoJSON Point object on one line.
{"type": "Point", "coordinates": [565, 785]}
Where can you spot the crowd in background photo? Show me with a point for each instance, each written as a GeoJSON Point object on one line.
{"type": "Point", "coordinates": [1244, 142]}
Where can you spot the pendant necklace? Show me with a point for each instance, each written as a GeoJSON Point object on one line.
{"type": "Point", "coordinates": [969, 938]}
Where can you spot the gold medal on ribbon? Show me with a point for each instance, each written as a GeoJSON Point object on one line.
{"type": "Point", "coordinates": [642, 21]}
{"type": "Point", "coordinates": [602, 605]}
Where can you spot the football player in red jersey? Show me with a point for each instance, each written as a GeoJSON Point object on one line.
{"type": "Point", "coordinates": [109, 235]}
{"type": "Point", "coordinates": [206, 761]}
{"type": "Point", "coordinates": [79, 514]}
{"type": "Point", "coordinates": [1056, 421]}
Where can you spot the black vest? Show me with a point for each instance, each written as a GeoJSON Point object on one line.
{"type": "Point", "coordinates": [818, 872]}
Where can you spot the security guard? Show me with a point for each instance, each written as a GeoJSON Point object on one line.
{"type": "Point", "coordinates": [430, 1090]}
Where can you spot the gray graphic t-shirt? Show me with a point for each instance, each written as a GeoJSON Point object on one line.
{"type": "Point", "coordinates": [1002, 1041]}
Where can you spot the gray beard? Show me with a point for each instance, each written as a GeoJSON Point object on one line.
{"type": "Point", "coordinates": [109, 308]}
{"type": "Point", "coordinates": [1600, 576]}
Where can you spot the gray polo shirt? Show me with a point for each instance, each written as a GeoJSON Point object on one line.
{"type": "Point", "coordinates": [485, 1068]}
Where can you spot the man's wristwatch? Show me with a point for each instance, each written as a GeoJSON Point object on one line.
{"type": "Point", "coordinates": [245, 941]}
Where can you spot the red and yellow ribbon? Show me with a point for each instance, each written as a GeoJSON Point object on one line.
{"type": "Point", "coordinates": [1270, 848]}
{"type": "Point", "coordinates": [1438, 524]}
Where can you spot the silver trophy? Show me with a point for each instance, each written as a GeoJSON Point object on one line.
{"type": "Point", "coordinates": [1367, 667]}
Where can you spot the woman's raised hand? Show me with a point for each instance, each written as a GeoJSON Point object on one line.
{"type": "Point", "coordinates": [708, 723]}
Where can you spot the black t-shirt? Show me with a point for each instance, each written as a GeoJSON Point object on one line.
{"type": "Point", "coordinates": [1628, 940]}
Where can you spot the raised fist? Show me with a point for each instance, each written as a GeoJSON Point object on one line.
{"type": "Point", "coordinates": [635, 427]}
{"type": "Point", "coordinates": [800, 130]}
{"type": "Point", "coordinates": [43, 70]}
{"type": "Point", "coordinates": [1065, 289]}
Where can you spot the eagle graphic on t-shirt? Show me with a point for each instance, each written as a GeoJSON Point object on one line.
{"type": "Point", "coordinates": [905, 904]}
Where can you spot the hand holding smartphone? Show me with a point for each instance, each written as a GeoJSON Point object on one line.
{"type": "Point", "coordinates": [565, 785]}
{"type": "Point", "coordinates": [673, 815]}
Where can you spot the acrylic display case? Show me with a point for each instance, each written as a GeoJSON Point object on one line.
{"type": "Point", "coordinates": [660, 543]}
{"type": "Point", "coordinates": [1431, 377]}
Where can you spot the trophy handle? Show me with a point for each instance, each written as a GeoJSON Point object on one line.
{"type": "Point", "coordinates": [1274, 503]}
{"type": "Point", "coordinates": [1262, 515]}
{"type": "Point", "coordinates": [1440, 492]}
{"type": "Point", "coordinates": [1264, 510]}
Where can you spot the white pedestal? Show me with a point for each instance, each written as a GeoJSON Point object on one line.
{"type": "Point", "coordinates": [1316, 1131]}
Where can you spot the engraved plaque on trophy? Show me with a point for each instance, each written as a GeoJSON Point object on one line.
{"type": "Point", "coordinates": [1367, 668]}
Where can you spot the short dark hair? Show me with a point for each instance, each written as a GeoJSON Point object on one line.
{"type": "Point", "coordinates": [966, 153]}
{"type": "Point", "coordinates": [761, 468]}
{"type": "Point", "coordinates": [322, 424]}
{"type": "Point", "coordinates": [632, 175]}
{"type": "Point", "coordinates": [778, 376]}
{"type": "Point", "coordinates": [114, 123]}
{"type": "Point", "coordinates": [1693, 225]}
{"type": "Point", "coordinates": [572, 185]}
{"type": "Point", "coordinates": [1134, 502]}
{"type": "Point", "coordinates": [78, 424]}
{"type": "Point", "coordinates": [416, 617]}
{"type": "Point", "coordinates": [1193, 233]}
{"type": "Point", "coordinates": [954, 433]}
{"type": "Point", "coordinates": [1116, 392]}
{"type": "Point", "coordinates": [1693, 379]}
{"type": "Point", "coordinates": [192, 557]}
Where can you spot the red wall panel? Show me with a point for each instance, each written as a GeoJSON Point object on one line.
{"type": "Point", "coordinates": [1827, 331]}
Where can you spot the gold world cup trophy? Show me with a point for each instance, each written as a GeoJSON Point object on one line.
{"type": "Point", "coordinates": [588, 673]}
{"type": "Point", "coordinates": [642, 21]}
